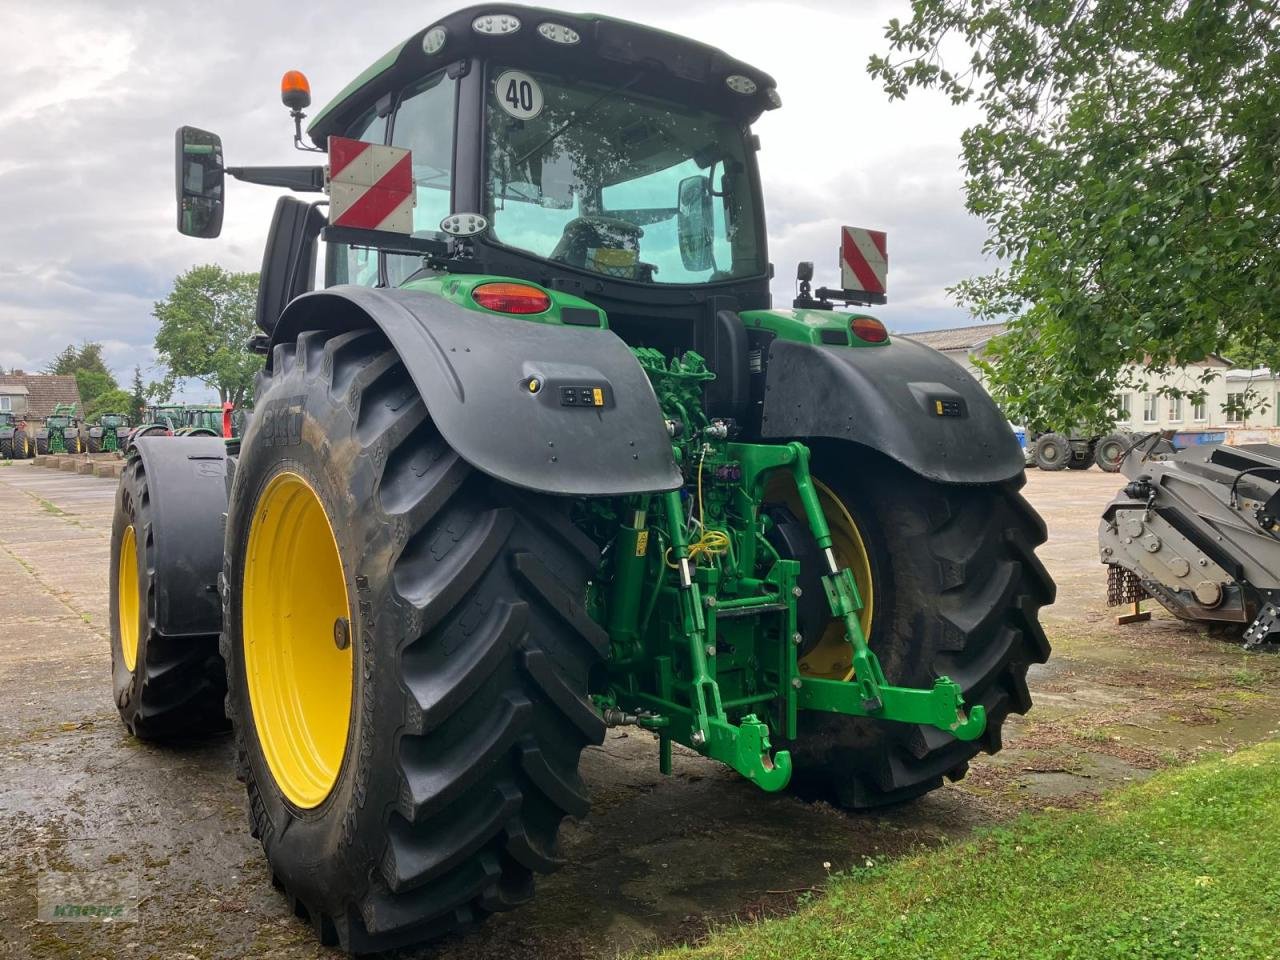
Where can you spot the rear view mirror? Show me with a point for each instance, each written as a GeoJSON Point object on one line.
{"type": "Point", "coordinates": [695, 223]}
{"type": "Point", "coordinates": [199, 175]}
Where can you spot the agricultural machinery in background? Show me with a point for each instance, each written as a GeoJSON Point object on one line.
{"type": "Point", "coordinates": [109, 434]}
{"type": "Point", "coordinates": [61, 431]}
{"type": "Point", "coordinates": [1198, 529]}
{"type": "Point", "coordinates": [542, 458]}
{"type": "Point", "coordinates": [1073, 451]}
{"type": "Point", "coordinates": [188, 420]}
{"type": "Point", "coordinates": [15, 443]}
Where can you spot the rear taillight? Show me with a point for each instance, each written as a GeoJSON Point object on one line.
{"type": "Point", "coordinates": [869, 330]}
{"type": "Point", "coordinates": [511, 298]}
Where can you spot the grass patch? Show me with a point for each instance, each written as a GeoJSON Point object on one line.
{"type": "Point", "coordinates": [1183, 865]}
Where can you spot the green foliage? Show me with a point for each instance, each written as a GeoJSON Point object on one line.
{"type": "Point", "coordinates": [110, 401]}
{"type": "Point", "coordinates": [1126, 165]}
{"type": "Point", "coordinates": [205, 322]}
{"type": "Point", "coordinates": [85, 363]}
{"type": "Point", "coordinates": [1182, 866]}
{"type": "Point", "coordinates": [138, 398]}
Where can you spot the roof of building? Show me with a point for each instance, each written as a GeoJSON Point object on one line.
{"type": "Point", "coordinates": [957, 338]}
{"type": "Point", "coordinates": [44, 391]}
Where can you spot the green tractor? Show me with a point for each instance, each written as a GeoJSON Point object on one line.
{"type": "Point", "coordinates": [542, 458]}
{"type": "Point", "coordinates": [200, 420]}
{"type": "Point", "coordinates": [110, 433]}
{"type": "Point", "coordinates": [61, 432]}
{"type": "Point", "coordinates": [14, 444]}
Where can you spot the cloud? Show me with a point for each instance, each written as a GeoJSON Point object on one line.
{"type": "Point", "coordinates": [86, 178]}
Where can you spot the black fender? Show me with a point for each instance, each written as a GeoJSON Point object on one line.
{"type": "Point", "coordinates": [473, 370]}
{"type": "Point", "coordinates": [95, 432]}
{"type": "Point", "coordinates": [186, 481]}
{"type": "Point", "coordinates": [42, 435]}
{"type": "Point", "coordinates": [904, 400]}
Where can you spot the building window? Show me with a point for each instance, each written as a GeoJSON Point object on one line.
{"type": "Point", "coordinates": [1149, 414]}
{"type": "Point", "coordinates": [1124, 408]}
{"type": "Point", "coordinates": [1199, 412]}
{"type": "Point", "coordinates": [6, 403]}
{"type": "Point", "coordinates": [1234, 407]}
{"type": "Point", "coordinates": [1175, 409]}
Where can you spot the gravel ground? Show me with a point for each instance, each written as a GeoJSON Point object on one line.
{"type": "Point", "coordinates": [660, 859]}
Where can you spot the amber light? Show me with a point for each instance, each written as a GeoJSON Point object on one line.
{"type": "Point", "coordinates": [511, 298]}
{"type": "Point", "coordinates": [869, 330]}
{"type": "Point", "coordinates": [295, 90]}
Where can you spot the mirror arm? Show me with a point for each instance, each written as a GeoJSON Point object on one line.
{"type": "Point", "coordinates": [300, 179]}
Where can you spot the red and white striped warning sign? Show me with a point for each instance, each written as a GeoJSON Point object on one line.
{"type": "Point", "coordinates": [370, 186]}
{"type": "Point", "coordinates": [864, 260]}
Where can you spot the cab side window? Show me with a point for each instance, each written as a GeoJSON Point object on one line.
{"type": "Point", "coordinates": [423, 122]}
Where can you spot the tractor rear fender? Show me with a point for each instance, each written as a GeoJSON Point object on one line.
{"type": "Point", "coordinates": [95, 432]}
{"type": "Point", "coordinates": [496, 388]}
{"type": "Point", "coordinates": [188, 495]}
{"type": "Point", "coordinates": [904, 400]}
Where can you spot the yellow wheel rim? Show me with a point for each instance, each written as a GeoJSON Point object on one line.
{"type": "Point", "coordinates": [127, 597]}
{"type": "Point", "coordinates": [831, 657]}
{"type": "Point", "coordinates": [299, 678]}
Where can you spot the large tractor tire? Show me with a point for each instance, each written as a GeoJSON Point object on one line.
{"type": "Point", "coordinates": [6, 448]}
{"type": "Point", "coordinates": [164, 687]}
{"type": "Point", "coordinates": [408, 654]}
{"type": "Point", "coordinates": [1052, 452]}
{"type": "Point", "coordinates": [21, 445]}
{"type": "Point", "coordinates": [42, 445]}
{"type": "Point", "coordinates": [951, 587]}
{"type": "Point", "coordinates": [75, 445]}
{"type": "Point", "coordinates": [1111, 451]}
{"type": "Point", "coordinates": [95, 444]}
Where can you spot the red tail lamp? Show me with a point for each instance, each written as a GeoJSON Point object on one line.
{"type": "Point", "coordinates": [869, 330]}
{"type": "Point", "coordinates": [511, 298]}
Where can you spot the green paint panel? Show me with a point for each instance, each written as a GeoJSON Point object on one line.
{"type": "Point", "coordinates": [819, 327]}
{"type": "Point", "coordinates": [456, 288]}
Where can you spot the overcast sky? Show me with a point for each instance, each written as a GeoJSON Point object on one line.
{"type": "Point", "coordinates": [92, 92]}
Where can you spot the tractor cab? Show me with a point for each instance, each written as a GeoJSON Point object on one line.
{"type": "Point", "coordinates": [591, 156]}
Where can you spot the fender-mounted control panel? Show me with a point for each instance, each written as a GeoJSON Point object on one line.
{"type": "Point", "coordinates": [586, 395]}
{"type": "Point", "coordinates": [948, 407]}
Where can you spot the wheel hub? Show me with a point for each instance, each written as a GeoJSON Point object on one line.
{"type": "Point", "coordinates": [299, 678]}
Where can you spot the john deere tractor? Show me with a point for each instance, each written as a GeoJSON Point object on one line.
{"type": "Point", "coordinates": [14, 444]}
{"type": "Point", "coordinates": [110, 433]}
{"type": "Point", "coordinates": [542, 458]}
{"type": "Point", "coordinates": [61, 432]}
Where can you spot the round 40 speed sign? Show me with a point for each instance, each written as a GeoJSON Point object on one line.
{"type": "Point", "coordinates": [518, 94]}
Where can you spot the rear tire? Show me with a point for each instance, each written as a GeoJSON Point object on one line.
{"type": "Point", "coordinates": [42, 446]}
{"type": "Point", "coordinates": [21, 445]}
{"type": "Point", "coordinates": [1052, 452]}
{"type": "Point", "coordinates": [471, 649]}
{"type": "Point", "coordinates": [164, 687]}
{"type": "Point", "coordinates": [6, 448]}
{"type": "Point", "coordinates": [1111, 451]}
{"type": "Point", "coordinates": [957, 589]}
{"type": "Point", "coordinates": [95, 445]}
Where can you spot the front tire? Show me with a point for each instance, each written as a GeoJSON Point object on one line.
{"type": "Point", "coordinates": [6, 448]}
{"type": "Point", "coordinates": [1111, 451]}
{"type": "Point", "coordinates": [21, 446]}
{"type": "Point", "coordinates": [463, 689]}
{"type": "Point", "coordinates": [42, 446]}
{"type": "Point", "coordinates": [164, 687]}
{"type": "Point", "coordinates": [1052, 452]}
{"type": "Point", "coordinates": [95, 445]}
{"type": "Point", "coordinates": [955, 589]}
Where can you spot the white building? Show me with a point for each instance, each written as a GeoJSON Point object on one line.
{"type": "Point", "coordinates": [1145, 407]}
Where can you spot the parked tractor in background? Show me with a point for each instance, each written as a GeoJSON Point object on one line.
{"type": "Point", "coordinates": [542, 458]}
{"type": "Point", "coordinates": [109, 434]}
{"type": "Point", "coordinates": [61, 431]}
{"type": "Point", "coordinates": [1074, 451]}
{"type": "Point", "coordinates": [200, 420]}
{"type": "Point", "coordinates": [14, 442]}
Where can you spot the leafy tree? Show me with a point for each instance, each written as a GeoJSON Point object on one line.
{"type": "Point", "coordinates": [1126, 165]}
{"type": "Point", "coordinates": [138, 398]}
{"type": "Point", "coordinates": [110, 401]}
{"type": "Point", "coordinates": [205, 322]}
{"type": "Point", "coordinates": [85, 363]}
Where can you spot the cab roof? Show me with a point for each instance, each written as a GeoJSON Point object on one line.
{"type": "Point", "coordinates": [673, 66]}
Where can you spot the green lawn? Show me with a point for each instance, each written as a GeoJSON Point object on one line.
{"type": "Point", "coordinates": [1184, 865]}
